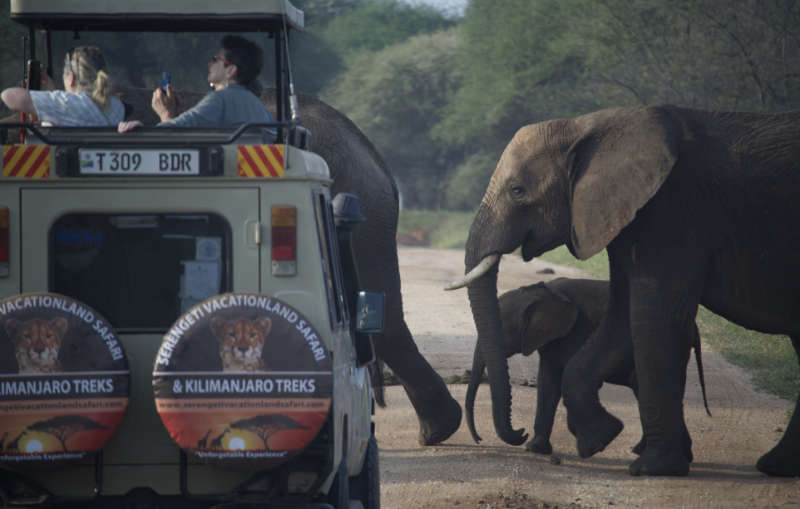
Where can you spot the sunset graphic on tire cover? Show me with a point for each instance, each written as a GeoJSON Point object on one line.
{"type": "Point", "coordinates": [64, 380]}
{"type": "Point", "coordinates": [243, 378]}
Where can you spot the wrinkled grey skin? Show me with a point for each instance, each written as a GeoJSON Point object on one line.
{"type": "Point", "coordinates": [555, 319]}
{"type": "Point", "coordinates": [693, 207]}
{"type": "Point", "coordinates": [356, 167]}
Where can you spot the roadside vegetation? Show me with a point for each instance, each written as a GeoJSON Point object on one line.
{"type": "Point", "coordinates": [769, 359]}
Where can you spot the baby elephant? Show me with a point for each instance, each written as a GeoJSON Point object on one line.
{"type": "Point", "coordinates": [555, 319]}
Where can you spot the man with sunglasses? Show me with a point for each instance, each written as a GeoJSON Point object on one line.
{"type": "Point", "coordinates": [233, 74]}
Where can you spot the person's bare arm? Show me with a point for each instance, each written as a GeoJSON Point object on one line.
{"type": "Point", "coordinates": [128, 125]}
{"type": "Point", "coordinates": [18, 99]}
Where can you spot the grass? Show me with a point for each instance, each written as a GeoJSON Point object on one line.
{"type": "Point", "coordinates": [769, 359]}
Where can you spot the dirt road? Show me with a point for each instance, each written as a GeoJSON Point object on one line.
{"type": "Point", "coordinates": [462, 474]}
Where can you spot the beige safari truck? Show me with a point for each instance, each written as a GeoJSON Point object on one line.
{"type": "Point", "coordinates": [181, 323]}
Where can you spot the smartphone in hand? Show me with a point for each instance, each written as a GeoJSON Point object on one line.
{"type": "Point", "coordinates": [165, 80]}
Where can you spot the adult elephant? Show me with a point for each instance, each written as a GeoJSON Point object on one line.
{"type": "Point", "coordinates": [693, 207]}
{"type": "Point", "coordinates": [357, 167]}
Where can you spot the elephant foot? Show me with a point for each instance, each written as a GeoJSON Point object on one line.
{"type": "Point", "coordinates": [655, 462]}
{"type": "Point", "coordinates": [434, 431]}
{"type": "Point", "coordinates": [687, 445]}
{"type": "Point", "coordinates": [597, 434]}
{"type": "Point", "coordinates": [540, 445]}
{"type": "Point", "coordinates": [638, 449]}
{"type": "Point", "coordinates": [780, 462]}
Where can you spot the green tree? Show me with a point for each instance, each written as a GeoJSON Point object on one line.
{"type": "Point", "coordinates": [338, 29]}
{"type": "Point", "coordinates": [530, 60]}
{"type": "Point", "coordinates": [465, 185]}
{"type": "Point", "coordinates": [378, 24]}
{"type": "Point", "coordinates": [395, 96]}
{"type": "Point", "coordinates": [520, 65]}
{"type": "Point", "coordinates": [314, 62]}
{"type": "Point", "coordinates": [700, 53]}
{"type": "Point", "coordinates": [319, 12]}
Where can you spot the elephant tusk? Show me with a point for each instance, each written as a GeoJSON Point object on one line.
{"type": "Point", "coordinates": [478, 271]}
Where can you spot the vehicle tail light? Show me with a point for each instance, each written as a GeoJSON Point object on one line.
{"type": "Point", "coordinates": [4, 271]}
{"type": "Point", "coordinates": [284, 240]}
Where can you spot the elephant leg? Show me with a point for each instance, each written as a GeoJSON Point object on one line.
{"type": "Point", "coordinates": [438, 413]}
{"type": "Point", "coordinates": [548, 394]}
{"type": "Point", "coordinates": [639, 447]}
{"type": "Point", "coordinates": [784, 459]}
{"type": "Point", "coordinates": [593, 426]}
{"type": "Point", "coordinates": [660, 352]}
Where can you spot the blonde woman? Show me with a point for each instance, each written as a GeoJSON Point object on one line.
{"type": "Point", "coordinates": [86, 100]}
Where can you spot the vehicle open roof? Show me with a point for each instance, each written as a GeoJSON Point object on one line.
{"type": "Point", "coordinates": [158, 15]}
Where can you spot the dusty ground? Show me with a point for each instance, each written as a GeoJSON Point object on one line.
{"type": "Point", "coordinates": [462, 474]}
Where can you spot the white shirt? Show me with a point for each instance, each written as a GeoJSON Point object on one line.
{"type": "Point", "coordinates": [64, 109]}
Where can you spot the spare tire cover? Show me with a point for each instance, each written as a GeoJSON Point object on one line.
{"type": "Point", "coordinates": [64, 380]}
{"type": "Point", "coordinates": [243, 378]}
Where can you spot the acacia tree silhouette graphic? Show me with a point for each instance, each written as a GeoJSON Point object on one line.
{"type": "Point", "coordinates": [267, 425]}
{"type": "Point", "coordinates": [64, 427]}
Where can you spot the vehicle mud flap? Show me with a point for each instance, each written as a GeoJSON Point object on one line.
{"type": "Point", "coordinates": [365, 487]}
{"type": "Point", "coordinates": [339, 494]}
{"type": "Point", "coordinates": [243, 380]}
{"type": "Point", "coordinates": [64, 381]}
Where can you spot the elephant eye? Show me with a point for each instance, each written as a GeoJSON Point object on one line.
{"type": "Point", "coordinates": [517, 192]}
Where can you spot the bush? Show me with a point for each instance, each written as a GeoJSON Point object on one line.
{"type": "Point", "coordinates": [466, 185]}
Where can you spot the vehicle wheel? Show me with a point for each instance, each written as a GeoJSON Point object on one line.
{"type": "Point", "coordinates": [366, 486]}
{"type": "Point", "coordinates": [339, 495]}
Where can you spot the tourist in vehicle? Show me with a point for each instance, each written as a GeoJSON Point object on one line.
{"type": "Point", "coordinates": [233, 74]}
{"type": "Point", "coordinates": [85, 101]}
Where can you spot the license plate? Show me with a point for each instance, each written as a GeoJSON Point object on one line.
{"type": "Point", "coordinates": [139, 162]}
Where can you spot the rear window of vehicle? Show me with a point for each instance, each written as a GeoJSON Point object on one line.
{"type": "Point", "coordinates": [141, 271]}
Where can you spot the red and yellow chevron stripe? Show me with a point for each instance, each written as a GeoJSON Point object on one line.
{"type": "Point", "coordinates": [26, 161]}
{"type": "Point", "coordinates": [260, 160]}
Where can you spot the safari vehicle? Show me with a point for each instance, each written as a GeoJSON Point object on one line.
{"type": "Point", "coordinates": [178, 318]}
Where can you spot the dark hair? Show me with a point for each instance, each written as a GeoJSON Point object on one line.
{"type": "Point", "coordinates": [248, 58]}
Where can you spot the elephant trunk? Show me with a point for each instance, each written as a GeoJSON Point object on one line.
{"type": "Point", "coordinates": [472, 388]}
{"type": "Point", "coordinates": [486, 313]}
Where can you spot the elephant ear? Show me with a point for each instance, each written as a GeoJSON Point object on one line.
{"type": "Point", "coordinates": [618, 163]}
{"type": "Point", "coordinates": [546, 319]}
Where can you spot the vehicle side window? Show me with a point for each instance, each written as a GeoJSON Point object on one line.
{"type": "Point", "coordinates": [140, 271]}
{"type": "Point", "coordinates": [331, 261]}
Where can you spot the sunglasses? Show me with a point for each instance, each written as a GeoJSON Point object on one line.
{"type": "Point", "coordinates": [224, 60]}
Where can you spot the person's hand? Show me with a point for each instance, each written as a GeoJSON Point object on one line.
{"type": "Point", "coordinates": [128, 125]}
{"type": "Point", "coordinates": [165, 104]}
{"type": "Point", "coordinates": [46, 82]}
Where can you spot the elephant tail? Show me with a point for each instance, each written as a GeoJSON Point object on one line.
{"type": "Point", "coordinates": [472, 388]}
{"type": "Point", "coordinates": [699, 359]}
